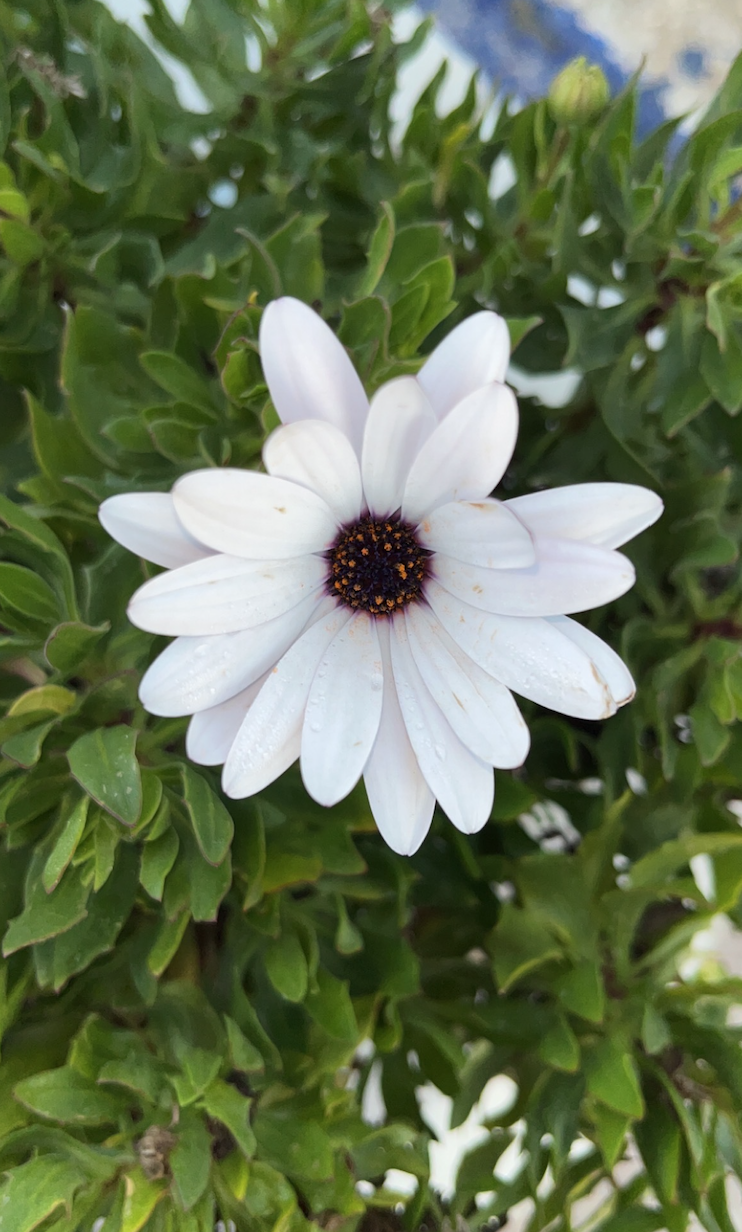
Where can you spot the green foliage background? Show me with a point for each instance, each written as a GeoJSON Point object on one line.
{"type": "Point", "coordinates": [173, 962]}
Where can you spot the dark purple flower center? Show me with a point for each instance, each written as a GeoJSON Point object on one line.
{"type": "Point", "coordinates": [377, 566]}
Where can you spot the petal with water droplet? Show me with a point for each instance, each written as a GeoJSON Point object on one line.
{"type": "Point", "coordinates": [224, 594]}
{"type": "Point", "coordinates": [462, 783]}
{"type": "Point", "coordinates": [400, 799]}
{"type": "Point", "coordinates": [269, 739]}
{"type": "Point", "coordinates": [480, 710]}
{"type": "Point", "coordinates": [343, 712]}
{"type": "Point", "coordinates": [194, 673]}
{"type": "Point", "coordinates": [146, 523]}
{"type": "Point", "coordinates": [529, 656]}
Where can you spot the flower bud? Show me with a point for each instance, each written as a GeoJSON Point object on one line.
{"type": "Point", "coordinates": [579, 93]}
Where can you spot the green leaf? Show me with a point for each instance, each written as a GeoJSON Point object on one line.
{"type": "Point", "coordinates": [518, 327]}
{"type": "Point", "coordinates": [286, 868]}
{"type": "Point", "coordinates": [140, 1199]}
{"type": "Point", "coordinates": [554, 891]}
{"type": "Point", "coordinates": [35, 1190]}
{"type": "Point", "coordinates": [107, 912]}
{"type": "Point", "coordinates": [658, 865]}
{"type": "Point", "coordinates": [59, 449]}
{"type": "Point", "coordinates": [611, 1129]}
{"type": "Point", "coordinates": [208, 884]}
{"type": "Point", "coordinates": [379, 251]}
{"type": "Point", "coordinates": [659, 1141]}
{"type": "Point", "coordinates": [5, 113]}
{"type": "Point", "coordinates": [199, 1068]}
{"type": "Point", "coordinates": [687, 399]}
{"type": "Point", "coordinates": [178, 379]}
{"type": "Point", "coordinates": [158, 858]}
{"type": "Point", "coordinates": [104, 764]}
{"type": "Point", "coordinates": [44, 543]}
{"type": "Point", "coordinates": [656, 1035]}
{"type": "Point", "coordinates": [710, 735]}
{"type": "Point", "coordinates": [25, 747]}
{"type": "Point", "coordinates": [348, 939]}
{"type": "Point", "coordinates": [44, 699]}
{"type": "Point", "coordinates": [722, 371]}
{"type": "Point", "coordinates": [390, 1147]}
{"type": "Point", "coordinates": [138, 1071]}
{"type": "Point", "coordinates": [286, 966]}
{"type": "Point", "coordinates": [190, 1161]}
{"type": "Point", "coordinates": [24, 594]}
{"type": "Point", "coordinates": [244, 1055]}
{"type": "Point", "coordinates": [296, 251]}
{"type": "Point", "coordinates": [511, 798]}
{"type": "Point", "coordinates": [263, 272]}
{"type": "Point", "coordinates": [415, 246]}
{"type": "Point", "coordinates": [167, 943]}
{"type": "Point", "coordinates": [637, 1219]}
{"type": "Point", "coordinates": [230, 1107]}
{"type": "Point", "coordinates": [406, 314]}
{"type": "Point", "coordinates": [296, 1147]}
{"type": "Point", "coordinates": [728, 876]}
{"type": "Point", "coordinates": [438, 279]}
{"type": "Point", "coordinates": [331, 1007]}
{"type": "Point", "coordinates": [47, 915]}
{"type": "Point", "coordinates": [581, 991]}
{"type": "Point", "coordinates": [68, 1096]}
{"type": "Point", "coordinates": [212, 824]}
{"type": "Point", "coordinates": [559, 1047]}
{"type": "Point", "coordinates": [518, 944]}
{"type": "Point", "coordinates": [612, 1078]}
{"type": "Point", "coordinates": [20, 241]}
{"type": "Point", "coordinates": [65, 845]}
{"type": "Point", "coordinates": [105, 841]}
{"type": "Point", "coordinates": [102, 376]}
{"type": "Point", "coordinates": [152, 807]}
{"type": "Point", "coordinates": [476, 1171]}
{"type": "Point", "coordinates": [71, 642]}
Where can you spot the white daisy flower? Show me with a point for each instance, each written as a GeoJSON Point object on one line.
{"type": "Point", "coordinates": [366, 606]}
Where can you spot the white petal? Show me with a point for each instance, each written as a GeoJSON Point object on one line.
{"type": "Point", "coordinates": [308, 371]}
{"type": "Point", "coordinates": [481, 711]}
{"type": "Point", "coordinates": [482, 533]}
{"type": "Point", "coordinates": [529, 656]}
{"type": "Point", "coordinates": [224, 594]}
{"type": "Point", "coordinates": [607, 514]}
{"type": "Point", "coordinates": [211, 732]}
{"type": "Point", "coordinates": [146, 523]}
{"type": "Point", "coordinates": [467, 454]}
{"type": "Point", "coordinates": [567, 577]}
{"type": "Point", "coordinates": [400, 419]}
{"type": "Point", "coordinates": [462, 783]}
{"type": "Point", "coordinates": [197, 672]}
{"type": "Point", "coordinates": [319, 457]}
{"type": "Point", "coordinates": [612, 668]}
{"type": "Point", "coordinates": [475, 353]}
{"type": "Point", "coordinates": [244, 513]}
{"type": "Point", "coordinates": [400, 799]}
{"type": "Point", "coordinates": [269, 739]}
{"type": "Point", "coordinates": [343, 712]}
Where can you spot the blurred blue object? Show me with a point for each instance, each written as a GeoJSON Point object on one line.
{"type": "Point", "coordinates": [522, 45]}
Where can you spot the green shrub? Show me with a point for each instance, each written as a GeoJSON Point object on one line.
{"type": "Point", "coordinates": [184, 986]}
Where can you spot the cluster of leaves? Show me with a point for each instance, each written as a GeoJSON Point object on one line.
{"type": "Point", "coordinates": [185, 984]}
